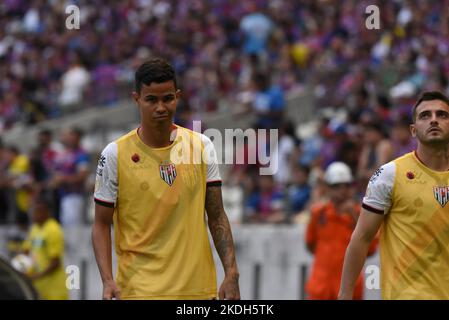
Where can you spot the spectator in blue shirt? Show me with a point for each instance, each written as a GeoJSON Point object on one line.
{"type": "Point", "coordinates": [298, 194]}
{"type": "Point", "coordinates": [266, 203]}
{"type": "Point", "coordinates": [268, 103]}
{"type": "Point", "coordinates": [71, 169]}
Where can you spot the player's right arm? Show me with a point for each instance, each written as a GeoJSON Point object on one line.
{"type": "Point", "coordinates": [367, 227]}
{"type": "Point", "coordinates": [106, 187]}
{"type": "Point", "coordinates": [376, 204]}
{"type": "Point", "coordinates": [101, 240]}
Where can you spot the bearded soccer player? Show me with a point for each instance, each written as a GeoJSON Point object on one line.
{"type": "Point", "coordinates": [154, 188]}
{"type": "Point", "coordinates": [408, 198]}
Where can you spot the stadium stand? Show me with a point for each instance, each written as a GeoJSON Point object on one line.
{"type": "Point", "coordinates": [312, 64]}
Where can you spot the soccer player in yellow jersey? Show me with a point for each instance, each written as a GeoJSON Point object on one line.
{"type": "Point", "coordinates": [46, 247]}
{"type": "Point", "coordinates": [408, 199]}
{"type": "Point", "coordinates": [152, 186]}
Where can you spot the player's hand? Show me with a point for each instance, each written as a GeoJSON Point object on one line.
{"type": "Point", "coordinates": [110, 291]}
{"type": "Point", "coordinates": [229, 289]}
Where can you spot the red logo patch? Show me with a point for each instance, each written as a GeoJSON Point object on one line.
{"type": "Point", "coordinates": [410, 175]}
{"type": "Point", "coordinates": [135, 157]}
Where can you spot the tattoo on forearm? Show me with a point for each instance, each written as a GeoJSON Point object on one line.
{"type": "Point", "coordinates": [219, 227]}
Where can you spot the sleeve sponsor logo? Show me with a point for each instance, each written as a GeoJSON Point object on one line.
{"type": "Point", "coordinates": [376, 175]}
{"type": "Point", "coordinates": [101, 164]}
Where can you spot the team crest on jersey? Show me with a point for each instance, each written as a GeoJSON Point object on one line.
{"type": "Point", "coordinates": [168, 173]}
{"type": "Point", "coordinates": [441, 194]}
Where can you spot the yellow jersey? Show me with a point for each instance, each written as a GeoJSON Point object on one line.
{"type": "Point", "coordinates": [161, 239]}
{"type": "Point", "coordinates": [414, 238]}
{"type": "Point", "coordinates": [20, 168]}
{"type": "Point", "coordinates": [45, 243]}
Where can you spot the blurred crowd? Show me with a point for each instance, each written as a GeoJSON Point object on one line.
{"type": "Point", "coordinates": [221, 49]}
{"type": "Point", "coordinates": [247, 53]}
{"type": "Point", "coordinates": [56, 168]}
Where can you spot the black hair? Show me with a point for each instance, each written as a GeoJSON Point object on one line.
{"type": "Point", "coordinates": [289, 128]}
{"type": "Point", "coordinates": [45, 132]}
{"type": "Point", "coordinates": [383, 101]}
{"type": "Point", "coordinates": [363, 93]}
{"type": "Point", "coordinates": [403, 122]}
{"type": "Point", "coordinates": [428, 96]}
{"type": "Point", "coordinates": [14, 149]}
{"type": "Point", "coordinates": [22, 219]}
{"type": "Point", "coordinates": [44, 197]}
{"type": "Point", "coordinates": [261, 80]}
{"type": "Point", "coordinates": [155, 70]}
{"type": "Point", "coordinates": [378, 127]}
{"type": "Point", "coordinates": [77, 131]}
{"type": "Point", "coordinates": [374, 125]}
{"type": "Point", "coordinates": [304, 168]}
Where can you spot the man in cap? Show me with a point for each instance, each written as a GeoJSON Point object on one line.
{"type": "Point", "coordinates": [329, 233]}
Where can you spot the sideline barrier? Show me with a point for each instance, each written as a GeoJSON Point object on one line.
{"type": "Point", "coordinates": [273, 262]}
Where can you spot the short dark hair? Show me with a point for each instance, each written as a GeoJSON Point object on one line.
{"type": "Point", "coordinates": [155, 70]}
{"type": "Point", "coordinates": [45, 132]}
{"type": "Point", "coordinates": [428, 96]}
{"type": "Point", "coordinates": [77, 131]}
{"type": "Point", "coordinates": [44, 197]}
{"type": "Point", "coordinates": [12, 148]}
{"type": "Point", "coordinates": [403, 122]}
{"type": "Point", "coordinates": [376, 126]}
{"type": "Point", "coordinates": [261, 80]}
{"type": "Point", "coordinates": [304, 168]}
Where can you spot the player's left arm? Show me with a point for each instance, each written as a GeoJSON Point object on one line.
{"type": "Point", "coordinates": [220, 230]}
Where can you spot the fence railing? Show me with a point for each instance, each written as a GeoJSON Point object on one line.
{"type": "Point", "coordinates": [272, 260]}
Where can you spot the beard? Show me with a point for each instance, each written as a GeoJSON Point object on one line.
{"type": "Point", "coordinates": [433, 141]}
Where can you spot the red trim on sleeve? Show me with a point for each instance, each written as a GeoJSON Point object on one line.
{"type": "Point", "coordinates": [214, 183]}
{"type": "Point", "coordinates": [371, 209]}
{"type": "Point", "coordinates": [104, 203]}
